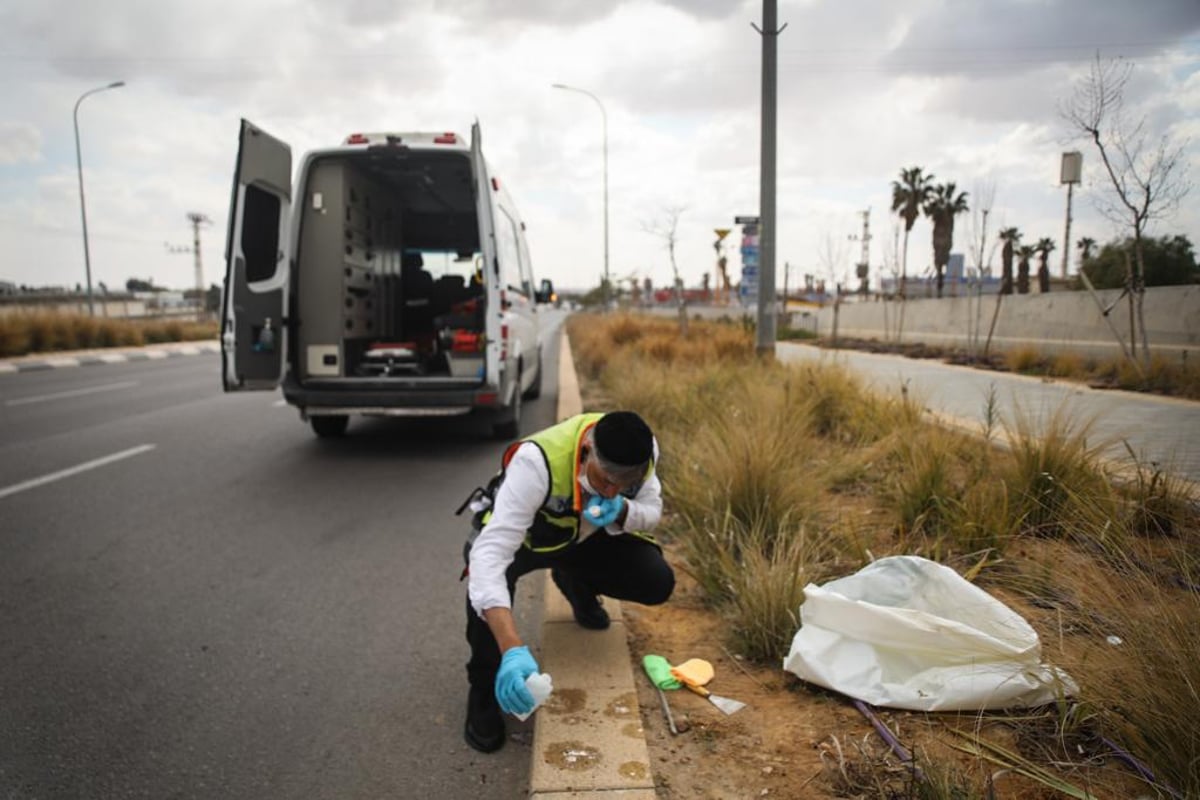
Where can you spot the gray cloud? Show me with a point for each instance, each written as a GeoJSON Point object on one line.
{"type": "Point", "coordinates": [20, 143]}
{"type": "Point", "coordinates": [1014, 36]}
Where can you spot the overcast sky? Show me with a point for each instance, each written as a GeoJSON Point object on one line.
{"type": "Point", "coordinates": [967, 90]}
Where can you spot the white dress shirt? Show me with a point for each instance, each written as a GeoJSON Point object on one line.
{"type": "Point", "coordinates": [526, 484]}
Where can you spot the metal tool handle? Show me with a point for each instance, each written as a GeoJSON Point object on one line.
{"type": "Point", "coordinates": [666, 707]}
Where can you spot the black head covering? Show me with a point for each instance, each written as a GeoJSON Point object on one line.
{"type": "Point", "coordinates": [623, 439]}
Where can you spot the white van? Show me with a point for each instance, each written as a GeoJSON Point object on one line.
{"type": "Point", "coordinates": [392, 279]}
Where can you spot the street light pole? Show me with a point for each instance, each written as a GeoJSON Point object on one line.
{"type": "Point", "coordinates": [604, 121]}
{"type": "Point", "coordinates": [87, 260]}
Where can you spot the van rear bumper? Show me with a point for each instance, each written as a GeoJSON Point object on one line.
{"type": "Point", "coordinates": [443, 399]}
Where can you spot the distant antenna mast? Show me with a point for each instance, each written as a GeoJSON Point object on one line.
{"type": "Point", "coordinates": [197, 219]}
{"type": "Point", "coordinates": [863, 268]}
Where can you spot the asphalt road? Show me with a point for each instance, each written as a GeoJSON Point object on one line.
{"type": "Point", "coordinates": [199, 599]}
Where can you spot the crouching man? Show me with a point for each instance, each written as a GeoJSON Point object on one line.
{"type": "Point", "coordinates": [579, 499]}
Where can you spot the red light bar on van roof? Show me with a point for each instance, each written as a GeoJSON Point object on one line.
{"type": "Point", "coordinates": [356, 138]}
{"type": "Point", "coordinates": [445, 138]}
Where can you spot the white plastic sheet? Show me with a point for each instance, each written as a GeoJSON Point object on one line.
{"type": "Point", "coordinates": [906, 632]}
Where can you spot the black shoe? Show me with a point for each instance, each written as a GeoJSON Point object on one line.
{"type": "Point", "coordinates": [588, 611]}
{"type": "Point", "coordinates": [485, 724]}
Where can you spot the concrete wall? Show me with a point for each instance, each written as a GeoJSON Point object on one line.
{"type": "Point", "coordinates": [1053, 322]}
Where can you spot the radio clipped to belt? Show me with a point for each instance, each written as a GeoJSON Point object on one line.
{"type": "Point", "coordinates": [479, 503]}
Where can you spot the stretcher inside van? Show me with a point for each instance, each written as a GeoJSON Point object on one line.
{"type": "Point", "coordinates": [392, 277]}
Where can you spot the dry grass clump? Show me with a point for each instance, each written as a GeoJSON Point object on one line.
{"type": "Point", "coordinates": [1023, 359]}
{"type": "Point", "coordinates": [1055, 475]}
{"type": "Point", "coordinates": [1070, 365]}
{"type": "Point", "coordinates": [42, 332]}
{"type": "Point", "coordinates": [1136, 654]}
{"type": "Point", "coordinates": [776, 477]}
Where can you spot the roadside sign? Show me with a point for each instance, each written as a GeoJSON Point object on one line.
{"type": "Point", "coordinates": [746, 220]}
{"type": "Point", "coordinates": [722, 233]}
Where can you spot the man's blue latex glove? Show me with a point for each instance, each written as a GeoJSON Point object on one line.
{"type": "Point", "coordinates": [609, 508]}
{"type": "Point", "coordinates": [515, 667]}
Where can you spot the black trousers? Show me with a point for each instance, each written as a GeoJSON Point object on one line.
{"type": "Point", "coordinates": [622, 567]}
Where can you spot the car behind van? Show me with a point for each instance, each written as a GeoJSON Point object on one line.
{"type": "Point", "coordinates": [392, 278]}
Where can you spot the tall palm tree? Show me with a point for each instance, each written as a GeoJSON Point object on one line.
{"type": "Point", "coordinates": [1044, 248]}
{"type": "Point", "coordinates": [1024, 253]}
{"type": "Point", "coordinates": [941, 208]}
{"type": "Point", "coordinates": [1086, 245]}
{"type": "Point", "coordinates": [1011, 238]}
{"type": "Point", "coordinates": [909, 194]}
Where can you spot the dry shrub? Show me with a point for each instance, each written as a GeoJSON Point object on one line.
{"type": "Point", "coordinates": [1024, 359]}
{"type": "Point", "coordinates": [747, 452]}
{"type": "Point", "coordinates": [14, 336]}
{"type": "Point", "coordinates": [663, 348]}
{"type": "Point", "coordinates": [45, 331]}
{"type": "Point", "coordinates": [1069, 365]}
{"type": "Point", "coordinates": [1137, 662]}
{"type": "Point", "coordinates": [766, 586]}
{"type": "Point", "coordinates": [1159, 502]}
{"type": "Point", "coordinates": [841, 409]}
{"type": "Point", "coordinates": [1161, 375]}
{"type": "Point", "coordinates": [751, 450]}
{"type": "Point", "coordinates": [1054, 475]}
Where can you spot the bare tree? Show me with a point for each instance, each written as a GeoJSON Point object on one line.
{"type": "Point", "coordinates": [1148, 180]}
{"type": "Point", "coordinates": [984, 191]}
{"type": "Point", "coordinates": [666, 227]}
{"type": "Point", "coordinates": [831, 255]}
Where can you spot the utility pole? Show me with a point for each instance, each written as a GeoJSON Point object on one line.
{"type": "Point", "coordinates": [197, 219]}
{"type": "Point", "coordinates": [863, 268]}
{"type": "Point", "coordinates": [766, 282]}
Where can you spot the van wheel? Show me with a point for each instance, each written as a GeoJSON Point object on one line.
{"type": "Point", "coordinates": [509, 427]}
{"type": "Point", "coordinates": [329, 426]}
{"type": "Point", "coordinates": [535, 389]}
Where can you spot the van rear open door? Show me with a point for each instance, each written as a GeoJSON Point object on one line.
{"type": "Point", "coordinates": [487, 246]}
{"type": "Point", "coordinates": [253, 343]}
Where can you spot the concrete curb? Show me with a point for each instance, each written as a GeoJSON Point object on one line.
{"type": "Point", "coordinates": [87, 358]}
{"type": "Point", "coordinates": [588, 738]}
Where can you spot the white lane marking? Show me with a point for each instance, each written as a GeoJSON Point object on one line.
{"type": "Point", "coordinates": [279, 403]}
{"type": "Point", "coordinates": [108, 387]}
{"type": "Point", "coordinates": [59, 363]}
{"type": "Point", "coordinates": [66, 473]}
{"type": "Point", "coordinates": [112, 358]}
{"type": "Point", "coordinates": [7, 369]}
{"type": "Point", "coordinates": [154, 355]}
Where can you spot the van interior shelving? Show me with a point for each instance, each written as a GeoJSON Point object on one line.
{"type": "Point", "coordinates": [395, 236]}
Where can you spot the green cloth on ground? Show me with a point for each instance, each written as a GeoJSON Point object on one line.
{"type": "Point", "coordinates": [659, 670]}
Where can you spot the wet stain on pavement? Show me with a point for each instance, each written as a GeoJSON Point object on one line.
{"type": "Point", "coordinates": [566, 701]}
{"type": "Point", "coordinates": [633, 769]}
{"type": "Point", "coordinates": [573, 756]}
{"type": "Point", "coordinates": [623, 706]}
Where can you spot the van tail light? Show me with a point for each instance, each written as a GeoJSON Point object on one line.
{"type": "Point", "coordinates": [503, 342]}
{"type": "Point", "coordinates": [495, 184]}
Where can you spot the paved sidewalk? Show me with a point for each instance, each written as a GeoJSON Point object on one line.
{"type": "Point", "coordinates": [588, 738]}
{"type": "Point", "coordinates": [1160, 430]}
{"type": "Point", "coordinates": [114, 355]}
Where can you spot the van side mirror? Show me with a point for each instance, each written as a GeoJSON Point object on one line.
{"type": "Point", "coordinates": [545, 294]}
